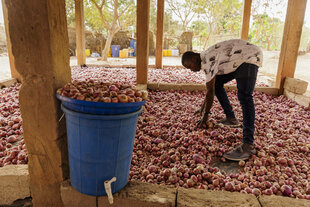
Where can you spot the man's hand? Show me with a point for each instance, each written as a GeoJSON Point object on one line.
{"type": "Point", "coordinates": [207, 104]}
{"type": "Point", "coordinates": [202, 123]}
{"type": "Point", "coordinates": [200, 110]}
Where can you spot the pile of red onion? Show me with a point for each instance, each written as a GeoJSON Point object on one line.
{"type": "Point", "coordinates": [102, 92]}
{"type": "Point", "coordinates": [128, 75]}
{"type": "Point", "coordinates": [12, 147]}
{"type": "Point", "coordinates": [169, 149]}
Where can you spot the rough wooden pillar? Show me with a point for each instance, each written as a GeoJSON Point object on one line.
{"type": "Point", "coordinates": [39, 37]}
{"type": "Point", "coordinates": [159, 33]}
{"type": "Point", "coordinates": [143, 13]}
{"type": "Point", "coordinates": [246, 19]}
{"type": "Point", "coordinates": [80, 32]}
{"type": "Point", "coordinates": [14, 72]}
{"type": "Point", "coordinates": [290, 42]}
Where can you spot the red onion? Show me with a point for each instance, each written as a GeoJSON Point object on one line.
{"type": "Point", "coordinates": [197, 158]}
{"type": "Point", "coordinates": [190, 183]}
{"type": "Point", "coordinates": [256, 192]}
{"type": "Point", "coordinates": [286, 190]}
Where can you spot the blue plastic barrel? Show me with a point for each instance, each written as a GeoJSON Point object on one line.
{"type": "Point", "coordinates": [133, 44]}
{"type": "Point", "coordinates": [100, 148]}
{"type": "Point", "coordinates": [115, 50]}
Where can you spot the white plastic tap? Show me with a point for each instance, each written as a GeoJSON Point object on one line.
{"type": "Point", "coordinates": [107, 187]}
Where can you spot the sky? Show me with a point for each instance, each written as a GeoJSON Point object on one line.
{"type": "Point", "coordinates": [307, 15]}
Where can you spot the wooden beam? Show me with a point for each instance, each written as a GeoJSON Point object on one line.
{"type": "Point", "coordinates": [143, 14]}
{"type": "Point", "coordinates": [246, 19]}
{"type": "Point", "coordinates": [202, 87]}
{"type": "Point", "coordinates": [80, 32]}
{"type": "Point", "coordinates": [14, 73]}
{"type": "Point", "coordinates": [39, 38]}
{"type": "Point", "coordinates": [290, 42]}
{"type": "Point", "coordinates": [159, 33]}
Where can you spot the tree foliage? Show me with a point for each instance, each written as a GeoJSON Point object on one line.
{"type": "Point", "coordinates": [70, 12]}
{"type": "Point", "coordinates": [103, 15]}
{"type": "Point", "coordinates": [265, 31]}
{"type": "Point", "coordinates": [183, 10]}
{"type": "Point", "coordinates": [209, 20]}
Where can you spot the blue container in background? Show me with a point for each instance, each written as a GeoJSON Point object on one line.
{"type": "Point", "coordinates": [100, 148]}
{"type": "Point", "coordinates": [115, 50]}
{"type": "Point", "coordinates": [131, 54]}
{"type": "Point", "coordinates": [133, 44]}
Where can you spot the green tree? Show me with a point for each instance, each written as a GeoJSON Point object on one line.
{"type": "Point", "coordinates": [266, 31]}
{"type": "Point", "coordinates": [183, 10]}
{"type": "Point", "coordinates": [230, 21]}
{"type": "Point", "coordinates": [114, 14]}
{"type": "Point", "coordinates": [222, 17]}
{"type": "Point", "coordinates": [70, 12]}
{"type": "Point", "coordinates": [153, 16]}
{"type": "Point", "coordinates": [267, 28]}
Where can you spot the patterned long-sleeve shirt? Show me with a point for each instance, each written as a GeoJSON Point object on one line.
{"type": "Point", "coordinates": [225, 57]}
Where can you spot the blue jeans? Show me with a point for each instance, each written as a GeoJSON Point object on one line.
{"type": "Point", "coordinates": [245, 76]}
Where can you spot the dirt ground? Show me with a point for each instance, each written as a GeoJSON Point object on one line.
{"type": "Point", "coordinates": [267, 73]}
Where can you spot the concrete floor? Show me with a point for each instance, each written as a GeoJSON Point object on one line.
{"type": "Point", "coordinates": [267, 73]}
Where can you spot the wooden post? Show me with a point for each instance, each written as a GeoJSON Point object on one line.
{"type": "Point", "coordinates": [246, 19]}
{"type": "Point", "coordinates": [80, 32]}
{"type": "Point", "coordinates": [159, 33]}
{"type": "Point", "coordinates": [290, 42]}
{"type": "Point", "coordinates": [39, 38]}
{"type": "Point", "coordinates": [143, 13]}
{"type": "Point", "coordinates": [14, 72]}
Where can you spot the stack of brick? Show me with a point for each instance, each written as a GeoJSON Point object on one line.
{"type": "Point", "coordinates": [295, 89]}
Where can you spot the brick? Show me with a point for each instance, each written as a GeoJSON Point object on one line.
{"type": "Point", "coordinates": [279, 201]}
{"type": "Point", "coordinates": [72, 198]}
{"type": "Point", "coordinates": [300, 99]}
{"type": "Point", "coordinates": [295, 85]}
{"type": "Point", "coordinates": [198, 198]}
{"type": "Point", "coordinates": [141, 86]}
{"type": "Point", "coordinates": [14, 182]}
{"type": "Point", "coordinates": [138, 194]}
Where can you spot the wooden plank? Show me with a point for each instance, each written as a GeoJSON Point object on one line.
{"type": "Point", "coordinates": [267, 90]}
{"type": "Point", "coordinates": [40, 49]}
{"type": "Point", "coordinates": [133, 66]}
{"type": "Point", "coordinates": [14, 73]}
{"type": "Point", "coordinates": [290, 41]}
{"type": "Point", "coordinates": [80, 32]}
{"type": "Point", "coordinates": [159, 34]}
{"type": "Point", "coordinates": [246, 19]}
{"type": "Point", "coordinates": [7, 82]}
{"type": "Point", "coordinates": [202, 87]}
{"type": "Point", "coordinates": [143, 13]}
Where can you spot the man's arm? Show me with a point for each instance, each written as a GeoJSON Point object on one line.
{"type": "Point", "coordinates": [208, 103]}
{"type": "Point", "coordinates": [202, 108]}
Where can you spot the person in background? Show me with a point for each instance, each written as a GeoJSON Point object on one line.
{"type": "Point", "coordinates": [232, 59]}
